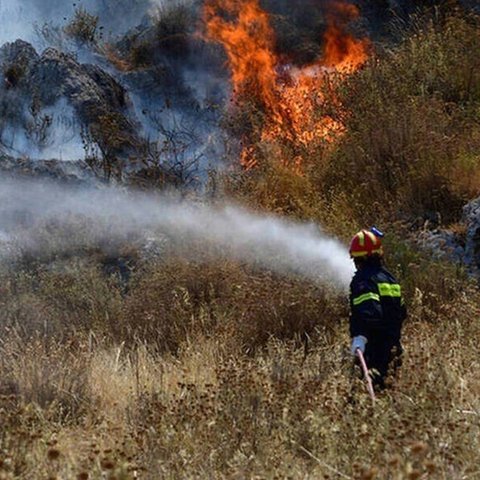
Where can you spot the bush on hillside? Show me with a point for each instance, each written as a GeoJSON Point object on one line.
{"type": "Point", "coordinates": [412, 135]}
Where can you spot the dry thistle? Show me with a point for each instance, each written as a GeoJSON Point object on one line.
{"type": "Point", "coordinates": [53, 454]}
{"type": "Point", "coordinates": [107, 464]}
{"type": "Point", "coordinates": [430, 466]}
{"type": "Point", "coordinates": [414, 475]}
{"type": "Point", "coordinates": [394, 461]}
{"type": "Point", "coordinates": [419, 448]}
{"type": "Point", "coordinates": [369, 474]}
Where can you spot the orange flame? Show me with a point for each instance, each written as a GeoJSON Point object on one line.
{"type": "Point", "coordinates": [290, 101]}
{"type": "Point", "coordinates": [248, 42]}
{"type": "Point", "coordinates": [343, 52]}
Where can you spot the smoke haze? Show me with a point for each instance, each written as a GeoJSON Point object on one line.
{"type": "Point", "coordinates": [56, 134]}
{"type": "Point", "coordinates": [19, 17]}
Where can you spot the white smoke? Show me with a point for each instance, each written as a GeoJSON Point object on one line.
{"type": "Point", "coordinates": [260, 239]}
{"type": "Point", "coordinates": [53, 133]}
{"type": "Point", "coordinates": [17, 18]}
{"type": "Point", "coordinates": [22, 18]}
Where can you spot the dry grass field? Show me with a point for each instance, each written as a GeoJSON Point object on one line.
{"type": "Point", "coordinates": [245, 376]}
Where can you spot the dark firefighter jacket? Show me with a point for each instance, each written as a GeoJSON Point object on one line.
{"type": "Point", "coordinates": [377, 306]}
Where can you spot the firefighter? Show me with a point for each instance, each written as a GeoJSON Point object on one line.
{"type": "Point", "coordinates": [377, 307]}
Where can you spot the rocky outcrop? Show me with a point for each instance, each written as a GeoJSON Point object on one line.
{"type": "Point", "coordinates": [135, 119]}
{"type": "Point", "coordinates": [471, 215]}
{"type": "Point", "coordinates": [461, 245]}
{"type": "Point", "coordinates": [17, 60]}
{"type": "Point", "coordinates": [101, 104]}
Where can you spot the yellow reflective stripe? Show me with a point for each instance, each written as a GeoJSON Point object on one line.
{"type": "Point", "coordinates": [359, 254]}
{"type": "Point", "coordinates": [366, 296]}
{"type": "Point", "coordinates": [389, 290]}
{"type": "Point", "coordinates": [364, 252]}
{"type": "Point", "coordinates": [372, 237]}
{"type": "Point", "coordinates": [361, 238]}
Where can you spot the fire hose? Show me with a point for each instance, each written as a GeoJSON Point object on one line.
{"type": "Point", "coordinates": [368, 379]}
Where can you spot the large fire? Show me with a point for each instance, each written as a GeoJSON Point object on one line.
{"type": "Point", "coordinates": [289, 96]}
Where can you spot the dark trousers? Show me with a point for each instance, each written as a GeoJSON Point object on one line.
{"type": "Point", "coordinates": [383, 356]}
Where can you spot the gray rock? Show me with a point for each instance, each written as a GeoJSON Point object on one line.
{"type": "Point", "coordinates": [17, 60]}
{"type": "Point", "coordinates": [461, 248]}
{"type": "Point", "coordinates": [471, 215]}
{"type": "Point", "coordinates": [100, 102]}
{"type": "Point", "coordinates": [444, 244]}
{"type": "Point", "coordinates": [33, 83]}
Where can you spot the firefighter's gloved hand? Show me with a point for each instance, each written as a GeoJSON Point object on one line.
{"type": "Point", "coordinates": [358, 342]}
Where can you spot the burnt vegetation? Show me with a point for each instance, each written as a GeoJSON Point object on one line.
{"type": "Point", "coordinates": [84, 27]}
{"type": "Point", "coordinates": [165, 367]}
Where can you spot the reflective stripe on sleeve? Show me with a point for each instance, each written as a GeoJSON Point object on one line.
{"type": "Point", "coordinates": [366, 296]}
{"type": "Point", "coordinates": [389, 290]}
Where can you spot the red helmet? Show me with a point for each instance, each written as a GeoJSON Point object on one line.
{"type": "Point", "coordinates": [365, 243]}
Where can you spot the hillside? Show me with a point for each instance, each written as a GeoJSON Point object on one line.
{"type": "Point", "coordinates": [179, 184]}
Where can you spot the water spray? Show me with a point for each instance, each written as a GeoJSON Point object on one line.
{"type": "Point", "coordinates": [107, 214]}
